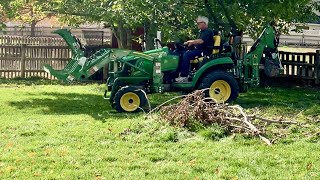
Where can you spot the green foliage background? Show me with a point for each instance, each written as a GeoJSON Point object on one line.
{"type": "Point", "coordinates": [175, 18]}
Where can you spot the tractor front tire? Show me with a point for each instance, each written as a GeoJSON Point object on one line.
{"type": "Point", "coordinates": [220, 86]}
{"type": "Point", "coordinates": [129, 99]}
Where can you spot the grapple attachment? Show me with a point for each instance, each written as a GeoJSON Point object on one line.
{"type": "Point", "coordinates": [80, 67]}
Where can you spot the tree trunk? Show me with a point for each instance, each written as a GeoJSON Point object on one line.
{"type": "Point", "coordinates": [129, 39]}
{"type": "Point", "coordinates": [123, 35]}
{"type": "Point", "coordinates": [149, 36]}
{"type": "Point", "coordinates": [33, 28]}
{"type": "Point", "coordinates": [33, 24]}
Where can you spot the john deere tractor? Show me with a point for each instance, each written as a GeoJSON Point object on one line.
{"type": "Point", "coordinates": [133, 74]}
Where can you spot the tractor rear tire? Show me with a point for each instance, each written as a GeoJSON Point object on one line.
{"type": "Point", "coordinates": [220, 86]}
{"type": "Point", "coordinates": [129, 99]}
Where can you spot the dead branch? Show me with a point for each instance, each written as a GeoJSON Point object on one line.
{"type": "Point", "coordinates": [196, 107]}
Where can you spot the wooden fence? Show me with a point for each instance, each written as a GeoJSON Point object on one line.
{"type": "Point", "coordinates": [44, 36]}
{"type": "Point", "coordinates": [21, 31]}
{"type": "Point", "coordinates": [51, 41]}
{"type": "Point", "coordinates": [42, 41]}
{"type": "Point", "coordinates": [304, 66]}
{"type": "Point", "coordinates": [27, 61]}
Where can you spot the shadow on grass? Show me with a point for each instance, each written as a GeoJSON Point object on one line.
{"type": "Point", "coordinates": [286, 100]}
{"type": "Point", "coordinates": [72, 104]}
{"type": "Point", "coordinates": [290, 99]}
{"type": "Point", "coordinates": [158, 99]}
{"type": "Point", "coordinates": [43, 81]}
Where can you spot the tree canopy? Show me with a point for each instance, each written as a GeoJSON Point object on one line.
{"type": "Point", "coordinates": [26, 11]}
{"type": "Point", "coordinates": [175, 18]}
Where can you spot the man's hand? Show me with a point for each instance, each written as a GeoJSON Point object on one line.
{"type": "Point", "coordinates": [188, 43]}
{"type": "Point", "coordinates": [193, 42]}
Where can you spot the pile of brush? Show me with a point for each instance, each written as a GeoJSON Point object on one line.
{"type": "Point", "coordinates": [195, 107]}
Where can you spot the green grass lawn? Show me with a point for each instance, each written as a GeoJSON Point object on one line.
{"type": "Point", "coordinates": [52, 131]}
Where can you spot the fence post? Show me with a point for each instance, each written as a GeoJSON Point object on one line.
{"type": "Point", "coordinates": [317, 67]}
{"type": "Point", "coordinates": [23, 60]}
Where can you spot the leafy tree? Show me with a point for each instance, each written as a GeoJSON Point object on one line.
{"type": "Point", "coordinates": [3, 18]}
{"type": "Point", "coordinates": [123, 17]}
{"type": "Point", "coordinates": [175, 18]}
{"type": "Point", "coordinates": [26, 11]}
{"type": "Point", "coordinates": [252, 15]}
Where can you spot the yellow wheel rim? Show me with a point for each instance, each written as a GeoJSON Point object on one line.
{"type": "Point", "coordinates": [220, 91]}
{"type": "Point", "coordinates": [130, 101]}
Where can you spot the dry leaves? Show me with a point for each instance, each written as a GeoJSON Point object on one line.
{"type": "Point", "coordinates": [195, 107]}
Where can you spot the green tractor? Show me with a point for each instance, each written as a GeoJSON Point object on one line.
{"type": "Point", "coordinates": [134, 74]}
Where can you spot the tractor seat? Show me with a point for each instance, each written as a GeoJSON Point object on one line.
{"type": "Point", "coordinates": [215, 49]}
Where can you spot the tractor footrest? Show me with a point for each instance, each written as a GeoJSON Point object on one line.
{"type": "Point", "coordinates": [184, 85]}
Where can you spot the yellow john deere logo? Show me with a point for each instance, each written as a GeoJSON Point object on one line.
{"type": "Point", "coordinates": [255, 56]}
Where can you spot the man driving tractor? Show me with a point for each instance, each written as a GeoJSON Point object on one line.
{"type": "Point", "coordinates": [202, 46]}
{"type": "Point", "coordinates": [132, 74]}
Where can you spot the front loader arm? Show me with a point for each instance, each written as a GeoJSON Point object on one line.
{"type": "Point", "coordinates": [81, 67]}
{"type": "Point", "coordinates": [107, 56]}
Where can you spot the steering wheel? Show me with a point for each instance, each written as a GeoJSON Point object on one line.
{"type": "Point", "coordinates": [180, 47]}
{"type": "Point", "coordinates": [157, 43]}
{"type": "Point", "coordinates": [80, 44]}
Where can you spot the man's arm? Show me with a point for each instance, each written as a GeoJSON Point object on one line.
{"type": "Point", "coordinates": [193, 42]}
